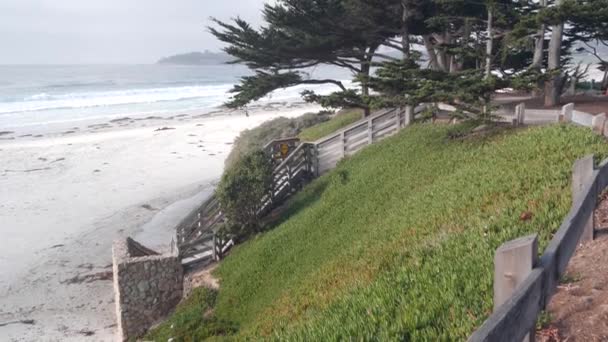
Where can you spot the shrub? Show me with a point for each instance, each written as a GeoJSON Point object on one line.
{"type": "Point", "coordinates": [241, 190]}
{"type": "Point", "coordinates": [342, 119]}
{"type": "Point", "coordinates": [254, 139]}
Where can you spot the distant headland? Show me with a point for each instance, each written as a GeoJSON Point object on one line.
{"type": "Point", "coordinates": [196, 58]}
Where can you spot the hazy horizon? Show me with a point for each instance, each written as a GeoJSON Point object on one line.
{"type": "Point", "coordinates": [112, 32]}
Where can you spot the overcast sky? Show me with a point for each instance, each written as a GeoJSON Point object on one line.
{"type": "Point", "coordinates": [111, 31]}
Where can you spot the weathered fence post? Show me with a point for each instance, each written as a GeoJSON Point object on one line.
{"type": "Point", "coordinates": [520, 113]}
{"type": "Point", "coordinates": [398, 113]}
{"type": "Point", "coordinates": [566, 115]}
{"type": "Point", "coordinates": [343, 138]}
{"type": "Point", "coordinates": [370, 131]}
{"type": "Point", "coordinates": [215, 256]}
{"type": "Point", "coordinates": [409, 115]}
{"type": "Point", "coordinates": [513, 262]}
{"type": "Point", "coordinates": [317, 161]}
{"type": "Point", "coordinates": [597, 123]}
{"type": "Point", "coordinates": [582, 174]}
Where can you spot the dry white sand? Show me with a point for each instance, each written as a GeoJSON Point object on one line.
{"type": "Point", "coordinates": [65, 197]}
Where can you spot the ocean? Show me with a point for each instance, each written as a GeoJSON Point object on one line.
{"type": "Point", "coordinates": [47, 94]}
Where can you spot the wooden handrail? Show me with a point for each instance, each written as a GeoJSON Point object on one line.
{"type": "Point", "coordinates": [290, 157]}
{"type": "Point", "coordinates": [354, 124]}
{"type": "Point", "coordinates": [272, 142]}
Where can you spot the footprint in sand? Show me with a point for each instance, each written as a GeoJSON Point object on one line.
{"type": "Point", "coordinates": [148, 207]}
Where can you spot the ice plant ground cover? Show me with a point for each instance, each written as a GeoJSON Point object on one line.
{"type": "Point", "coordinates": [397, 242]}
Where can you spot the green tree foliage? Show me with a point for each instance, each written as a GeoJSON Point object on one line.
{"type": "Point", "coordinates": [300, 34]}
{"type": "Point", "coordinates": [468, 90]}
{"type": "Point", "coordinates": [508, 39]}
{"type": "Point", "coordinates": [241, 191]}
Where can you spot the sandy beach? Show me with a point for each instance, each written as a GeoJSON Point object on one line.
{"type": "Point", "coordinates": [66, 192]}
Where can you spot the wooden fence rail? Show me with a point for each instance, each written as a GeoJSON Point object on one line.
{"type": "Point", "coordinates": [523, 283]}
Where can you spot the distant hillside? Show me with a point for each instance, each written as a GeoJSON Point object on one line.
{"type": "Point", "coordinates": [196, 58]}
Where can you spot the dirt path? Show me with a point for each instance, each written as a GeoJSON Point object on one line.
{"type": "Point", "coordinates": [579, 309]}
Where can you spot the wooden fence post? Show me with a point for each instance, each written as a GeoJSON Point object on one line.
{"type": "Point", "coordinates": [315, 159]}
{"type": "Point", "coordinates": [520, 113]}
{"type": "Point", "coordinates": [215, 256]}
{"type": "Point", "coordinates": [566, 115]}
{"type": "Point", "coordinates": [513, 262]}
{"type": "Point", "coordinates": [409, 115]}
{"type": "Point", "coordinates": [582, 173]}
{"type": "Point", "coordinates": [370, 131]}
{"type": "Point", "coordinates": [597, 123]}
{"type": "Point", "coordinates": [398, 113]}
{"type": "Point", "coordinates": [343, 144]}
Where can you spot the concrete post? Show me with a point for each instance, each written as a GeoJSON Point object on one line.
{"type": "Point", "coordinates": [582, 172]}
{"type": "Point", "coordinates": [513, 262]}
{"type": "Point", "coordinates": [566, 115]}
{"type": "Point", "coordinates": [520, 113]}
{"type": "Point", "coordinates": [597, 123]}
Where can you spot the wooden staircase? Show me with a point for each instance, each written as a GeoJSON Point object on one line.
{"type": "Point", "coordinates": [198, 235]}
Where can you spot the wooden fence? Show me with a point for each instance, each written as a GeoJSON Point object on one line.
{"type": "Point", "coordinates": [524, 283]}
{"type": "Point", "coordinates": [197, 238]}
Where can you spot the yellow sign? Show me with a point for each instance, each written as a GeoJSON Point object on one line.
{"type": "Point", "coordinates": [284, 148]}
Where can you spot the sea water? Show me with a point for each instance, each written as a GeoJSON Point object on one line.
{"type": "Point", "coordinates": [46, 94]}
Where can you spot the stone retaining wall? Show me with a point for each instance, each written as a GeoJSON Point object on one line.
{"type": "Point", "coordinates": [147, 286]}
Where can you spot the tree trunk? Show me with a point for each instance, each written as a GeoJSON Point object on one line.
{"type": "Point", "coordinates": [434, 64]}
{"type": "Point", "coordinates": [553, 85]}
{"type": "Point", "coordinates": [366, 66]}
{"type": "Point", "coordinates": [572, 86]}
{"type": "Point", "coordinates": [405, 34]}
{"type": "Point", "coordinates": [539, 44]}
{"type": "Point", "coordinates": [466, 34]}
{"type": "Point", "coordinates": [489, 42]}
{"type": "Point", "coordinates": [444, 58]}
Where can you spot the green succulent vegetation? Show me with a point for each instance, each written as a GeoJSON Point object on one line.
{"type": "Point", "coordinates": [397, 242]}
{"type": "Point", "coordinates": [192, 320]}
{"type": "Point", "coordinates": [342, 119]}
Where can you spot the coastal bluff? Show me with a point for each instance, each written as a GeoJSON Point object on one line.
{"type": "Point", "coordinates": [147, 286]}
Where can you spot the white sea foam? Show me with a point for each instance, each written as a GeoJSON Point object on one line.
{"type": "Point", "coordinates": [48, 95]}
{"type": "Point", "coordinates": [45, 101]}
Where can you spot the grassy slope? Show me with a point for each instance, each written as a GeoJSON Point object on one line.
{"type": "Point", "coordinates": [398, 241]}
{"type": "Point", "coordinates": [190, 321]}
{"type": "Point", "coordinates": [343, 118]}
